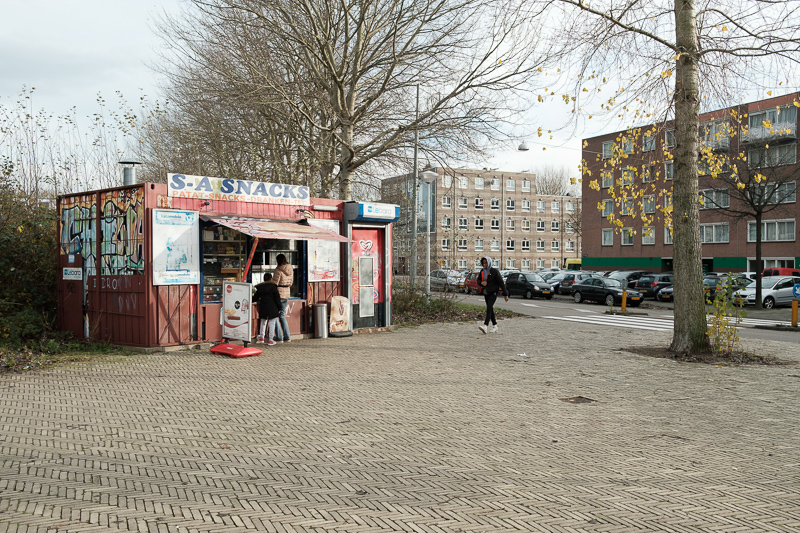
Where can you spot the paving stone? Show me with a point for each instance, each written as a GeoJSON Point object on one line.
{"type": "Point", "coordinates": [431, 429]}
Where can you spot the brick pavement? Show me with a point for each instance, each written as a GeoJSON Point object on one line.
{"type": "Point", "coordinates": [430, 429]}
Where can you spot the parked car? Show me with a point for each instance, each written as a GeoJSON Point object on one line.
{"type": "Point", "coordinates": [505, 273]}
{"type": "Point", "coordinates": [776, 271]}
{"type": "Point", "coordinates": [572, 277]}
{"type": "Point", "coordinates": [471, 283]}
{"type": "Point", "coordinates": [629, 277]}
{"type": "Point", "coordinates": [666, 294]}
{"type": "Point", "coordinates": [604, 290]}
{"type": "Point", "coordinates": [548, 275]}
{"type": "Point", "coordinates": [651, 284]}
{"type": "Point", "coordinates": [528, 285]}
{"type": "Point", "coordinates": [775, 291]}
{"type": "Point", "coordinates": [446, 280]}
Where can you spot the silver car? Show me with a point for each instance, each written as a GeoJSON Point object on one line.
{"type": "Point", "coordinates": [775, 290]}
{"type": "Point", "coordinates": [447, 280]}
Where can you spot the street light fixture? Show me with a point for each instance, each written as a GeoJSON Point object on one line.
{"type": "Point", "coordinates": [523, 147]}
{"type": "Point", "coordinates": [429, 177]}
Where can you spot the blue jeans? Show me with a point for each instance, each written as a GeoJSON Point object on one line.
{"type": "Point", "coordinates": [283, 322]}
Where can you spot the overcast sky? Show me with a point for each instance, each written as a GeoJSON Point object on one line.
{"type": "Point", "coordinates": [72, 50]}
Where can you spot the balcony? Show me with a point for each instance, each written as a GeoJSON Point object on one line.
{"type": "Point", "coordinates": [721, 144]}
{"type": "Point", "coordinates": [779, 131]}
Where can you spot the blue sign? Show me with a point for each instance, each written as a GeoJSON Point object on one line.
{"type": "Point", "coordinates": [796, 290]}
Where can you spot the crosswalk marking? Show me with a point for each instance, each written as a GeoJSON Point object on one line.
{"type": "Point", "coordinates": [652, 324]}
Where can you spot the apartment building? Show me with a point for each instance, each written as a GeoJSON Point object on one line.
{"type": "Point", "coordinates": [478, 213]}
{"type": "Point", "coordinates": [748, 157]}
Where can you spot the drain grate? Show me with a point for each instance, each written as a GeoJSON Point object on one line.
{"type": "Point", "coordinates": [578, 399]}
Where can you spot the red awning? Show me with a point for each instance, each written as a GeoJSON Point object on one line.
{"type": "Point", "coordinates": [269, 229]}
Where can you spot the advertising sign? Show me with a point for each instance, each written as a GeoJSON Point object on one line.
{"type": "Point", "coordinates": [72, 273]}
{"type": "Point", "coordinates": [231, 190]}
{"type": "Point", "coordinates": [176, 247]}
{"type": "Point", "coordinates": [236, 310]}
{"type": "Point", "coordinates": [323, 256]}
{"type": "Point", "coordinates": [340, 314]}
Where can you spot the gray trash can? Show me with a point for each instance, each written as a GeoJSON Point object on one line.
{"type": "Point", "coordinates": [320, 321]}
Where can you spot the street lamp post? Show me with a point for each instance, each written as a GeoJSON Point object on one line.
{"type": "Point", "coordinates": [429, 177]}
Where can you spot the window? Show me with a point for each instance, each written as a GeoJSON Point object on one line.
{"type": "Point", "coordinates": [555, 207]}
{"type": "Point", "coordinates": [648, 173]}
{"type": "Point", "coordinates": [526, 245]}
{"type": "Point", "coordinates": [608, 208]}
{"type": "Point", "coordinates": [772, 193]}
{"type": "Point", "coordinates": [495, 204]}
{"type": "Point", "coordinates": [627, 146]}
{"type": "Point", "coordinates": [626, 236]}
{"type": "Point", "coordinates": [495, 184]}
{"type": "Point", "coordinates": [607, 178]}
{"type": "Point", "coordinates": [462, 244]}
{"type": "Point", "coordinates": [607, 237]}
{"type": "Point", "coordinates": [569, 207]}
{"type": "Point", "coordinates": [554, 263]}
{"type": "Point", "coordinates": [627, 177]}
{"type": "Point", "coordinates": [526, 264]}
{"type": "Point", "coordinates": [714, 198]}
{"type": "Point", "coordinates": [463, 223]}
{"type": "Point", "coordinates": [446, 222]}
{"type": "Point", "coordinates": [608, 149]}
{"type": "Point", "coordinates": [772, 155]}
{"type": "Point", "coordinates": [649, 204]}
{"type": "Point", "coordinates": [478, 247]}
{"type": "Point", "coordinates": [446, 202]}
{"type": "Point", "coordinates": [667, 234]}
{"type": "Point", "coordinates": [626, 206]}
{"type": "Point", "coordinates": [479, 183]}
{"type": "Point", "coordinates": [510, 204]}
{"type": "Point", "coordinates": [462, 264]}
{"type": "Point", "coordinates": [447, 181]}
{"type": "Point", "coordinates": [540, 206]}
{"type": "Point", "coordinates": [555, 226]}
{"type": "Point", "coordinates": [555, 245]}
{"type": "Point", "coordinates": [772, 230]}
{"type": "Point", "coordinates": [669, 170]}
{"type": "Point", "coordinates": [495, 245]}
{"type": "Point", "coordinates": [526, 224]}
{"type": "Point", "coordinates": [667, 200]}
{"type": "Point", "coordinates": [540, 263]}
{"type": "Point", "coordinates": [445, 244]}
{"type": "Point", "coordinates": [526, 206]}
{"type": "Point", "coordinates": [669, 138]}
{"type": "Point", "coordinates": [495, 224]}
{"type": "Point", "coordinates": [540, 225]}
{"type": "Point", "coordinates": [511, 263]}
{"type": "Point", "coordinates": [714, 233]}
{"type": "Point", "coordinates": [526, 186]}
{"type": "Point", "coordinates": [649, 141]}
{"type": "Point", "coordinates": [479, 224]}
{"type": "Point", "coordinates": [648, 235]}
{"type": "Point", "coordinates": [463, 202]}
{"type": "Point", "coordinates": [511, 185]}
{"type": "Point", "coordinates": [478, 203]}
{"type": "Point", "coordinates": [510, 245]}
{"type": "Point", "coordinates": [463, 182]}
{"type": "Point", "coordinates": [569, 246]}
{"type": "Point", "coordinates": [510, 224]}
{"type": "Point", "coordinates": [477, 263]}
{"type": "Point", "coordinates": [570, 227]}
{"type": "Point", "coordinates": [540, 245]}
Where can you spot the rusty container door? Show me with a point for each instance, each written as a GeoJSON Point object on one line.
{"type": "Point", "coordinates": [70, 294]}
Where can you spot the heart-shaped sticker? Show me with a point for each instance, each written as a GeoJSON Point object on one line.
{"type": "Point", "coordinates": [365, 245]}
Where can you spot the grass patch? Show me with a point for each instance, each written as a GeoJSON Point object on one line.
{"type": "Point", "coordinates": [51, 353]}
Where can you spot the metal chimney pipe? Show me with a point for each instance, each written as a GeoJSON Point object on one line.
{"type": "Point", "coordinates": [129, 171]}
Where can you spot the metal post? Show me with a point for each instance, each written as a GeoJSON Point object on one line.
{"type": "Point", "coordinates": [428, 246]}
{"type": "Point", "coordinates": [502, 219]}
{"type": "Point", "coordinates": [414, 200]}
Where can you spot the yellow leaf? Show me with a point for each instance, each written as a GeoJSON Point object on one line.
{"type": "Point", "coordinates": [724, 28]}
{"type": "Point", "coordinates": [19, 229]}
{"type": "Point", "coordinates": [769, 93]}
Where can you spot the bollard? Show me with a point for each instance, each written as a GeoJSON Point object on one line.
{"type": "Point", "coordinates": [794, 313]}
{"type": "Point", "coordinates": [624, 300]}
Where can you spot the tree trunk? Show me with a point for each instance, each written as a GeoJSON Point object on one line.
{"type": "Point", "coordinates": [689, 334]}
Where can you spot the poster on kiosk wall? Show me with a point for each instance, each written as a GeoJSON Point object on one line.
{"type": "Point", "coordinates": [176, 249]}
{"type": "Point", "coordinates": [236, 310]}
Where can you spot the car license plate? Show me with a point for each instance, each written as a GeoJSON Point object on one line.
{"type": "Point", "coordinates": [545, 292]}
{"type": "Point", "coordinates": [634, 297]}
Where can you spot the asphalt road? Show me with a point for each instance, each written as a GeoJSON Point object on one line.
{"type": "Point", "coordinates": [565, 306]}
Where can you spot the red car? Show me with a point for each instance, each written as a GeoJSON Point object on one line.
{"type": "Point", "coordinates": [471, 283]}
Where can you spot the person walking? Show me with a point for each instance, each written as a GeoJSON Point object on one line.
{"type": "Point", "coordinates": [490, 281]}
{"type": "Point", "coordinates": [283, 277]}
{"type": "Point", "coordinates": [269, 308]}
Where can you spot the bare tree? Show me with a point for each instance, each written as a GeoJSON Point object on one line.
{"type": "Point", "coordinates": [711, 50]}
{"type": "Point", "coordinates": [555, 181]}
{"type": "Point", "coordinates": [334, 81]}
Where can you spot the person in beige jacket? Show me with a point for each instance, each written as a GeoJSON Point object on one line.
{"type": "Point", "coordinates": [283, 277]}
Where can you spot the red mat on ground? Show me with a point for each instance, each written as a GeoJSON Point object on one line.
{"type": "Point", "coordinates": [234, 350]}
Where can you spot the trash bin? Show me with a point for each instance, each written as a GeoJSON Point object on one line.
{"type": "Point", "coordinates": [320, 321]}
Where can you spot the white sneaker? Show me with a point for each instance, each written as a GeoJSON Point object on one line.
{"type": "Point", "coordinates": [483, 328]}
{"type": "Point", "coordinates": [494, 329]}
